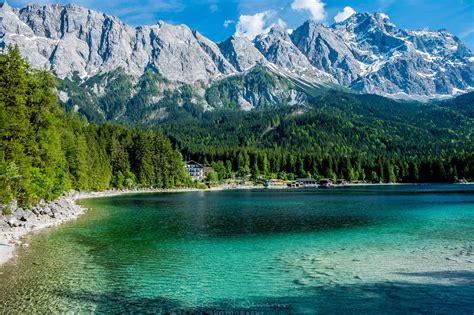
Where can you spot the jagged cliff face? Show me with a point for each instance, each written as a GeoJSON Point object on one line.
{"type": "Point", "coordinates": [278, 48]}
{"type": "Point", "coordinates": [241, 52]}
{"type": "Point", "coordinates": [397, 62]}
{"type": "Point", "coordinates": [366, 53]}
{"type": "Point", "coordinates": [73, 39]}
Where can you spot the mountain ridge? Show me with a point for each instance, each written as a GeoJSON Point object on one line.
{"type": "Point", "coordinates": [366, 53]}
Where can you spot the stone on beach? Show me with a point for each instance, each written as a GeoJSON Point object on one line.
{"type": "Point", "coordinates": [46, 210]}
{"type": "Point", "coordinates": [22, 215]}
{"type": "Point", "coordinates": [13, 222]}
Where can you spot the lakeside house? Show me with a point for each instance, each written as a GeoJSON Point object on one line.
{"type": "Point", "coordinates": [325, 182]}
{"type": "Point", "coordinates": [341, 182]}
{"type": "Point", "coordinates": [305, 183]}
{"type": "Point", "coordinates": [277, 183]}
{"type": "Point", "coordinates": [195, 170]}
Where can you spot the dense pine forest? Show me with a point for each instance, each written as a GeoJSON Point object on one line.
{"type": "Point", "coordinates": [45, 152]}
{"type": "Point", "coordinates": [340, 135]}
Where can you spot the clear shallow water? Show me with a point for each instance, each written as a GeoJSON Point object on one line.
{"type": "Point", "coordinates": [364, 249]}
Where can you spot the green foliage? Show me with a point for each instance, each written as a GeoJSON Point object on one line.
{"type": "Point", "coordinates": [9, 181]}
{"type": "Point", "coordinates": [226, 93]}
{"type": "Point", "coordinates": [44, 152]}
{"type": "Point", "coordinates": [340, 135]}
{"type": "Point", "coordinates": [115, 96]}
{"type": "Point", "coordinates": [213, 178]}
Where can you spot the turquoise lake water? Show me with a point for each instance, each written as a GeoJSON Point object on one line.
{"type": "Point", "coordinates": [398, 249]}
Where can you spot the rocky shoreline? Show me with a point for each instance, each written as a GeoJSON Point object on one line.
{"type": "Point", "coordinates": [21, 222]}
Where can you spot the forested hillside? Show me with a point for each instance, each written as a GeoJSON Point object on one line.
{"type": "Point", "coordinates": [45, 152]}
{"type": "Point", "coordinates": [356, 137]}
{"type": "Point", "coordinates": [117, 96]}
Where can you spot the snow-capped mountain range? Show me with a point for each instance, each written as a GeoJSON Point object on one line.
{"type": "Point", "coordinates": [366, 52]}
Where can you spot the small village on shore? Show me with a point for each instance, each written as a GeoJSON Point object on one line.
{"type": "Point", "coordinates": [205, 174]}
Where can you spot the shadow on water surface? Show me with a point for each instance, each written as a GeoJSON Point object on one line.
{"type": "Point", "coordinates": [387, 297]}
{"type": "Point", "coordinates": [395, 297]}
{"type": "Point", "coordinates": [455, 296]}
{"type": "Point", "coordinates": [465, 276]}
{"type": "Point", "coordinates": [115, 302]}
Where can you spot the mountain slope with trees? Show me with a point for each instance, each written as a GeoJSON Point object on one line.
{"type": "Point", "coordinates": [337, 135]}
{"type": "Point", "coordinates": [45, 152]}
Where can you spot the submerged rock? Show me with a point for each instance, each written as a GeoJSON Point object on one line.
{"type": "Point", "coordinates": [301, 281]}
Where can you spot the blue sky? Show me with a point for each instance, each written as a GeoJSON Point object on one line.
{"type": "Point", "coordinates": [218, 19]}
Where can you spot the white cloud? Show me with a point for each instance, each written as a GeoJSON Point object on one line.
{"type": "Point", "coordinates": [344, 14]}
{"type": "Point", "coordinates": [315, 7]}
{"type": "Point", "coordinates": [227, 23]}
{"type": "Point", "coordinates": [252, 25]}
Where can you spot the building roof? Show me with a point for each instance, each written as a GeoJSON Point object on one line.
{"type": "Point", "coordinates": [325, 180]}
{"type": "Point", "coordinates": [306, 180]}
{"type": "Point", "coordinates": [208, 169]}
{"type": "Point", "coordinates": [194, 163]}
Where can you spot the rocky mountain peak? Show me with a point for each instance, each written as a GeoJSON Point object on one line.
{"type": "Point", "coordinates": [276, 36]}
{"type": "Point", "coordinates": [371, 23]}
{"type": "Point", "coordinates": [241, 53]}
{"type": "Point", "coordinates": [279, 49]}
{"type": "Point", "coordinates": [368, 24]}
{"type": "Point", "coordinates": [373, 19]}
{"type": "Point", "coordinates": [5, 6]}
{"type": "Point", "coordinates": [280, 32]}
{"type": "Point", "coordinates": [366, 52]}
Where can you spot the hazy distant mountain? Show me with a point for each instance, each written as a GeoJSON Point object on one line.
{"type": "Point", "coordinates": [366, 53]}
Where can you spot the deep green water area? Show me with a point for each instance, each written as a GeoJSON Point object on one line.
{"type": "Point", "coordinates": [374, 249]}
